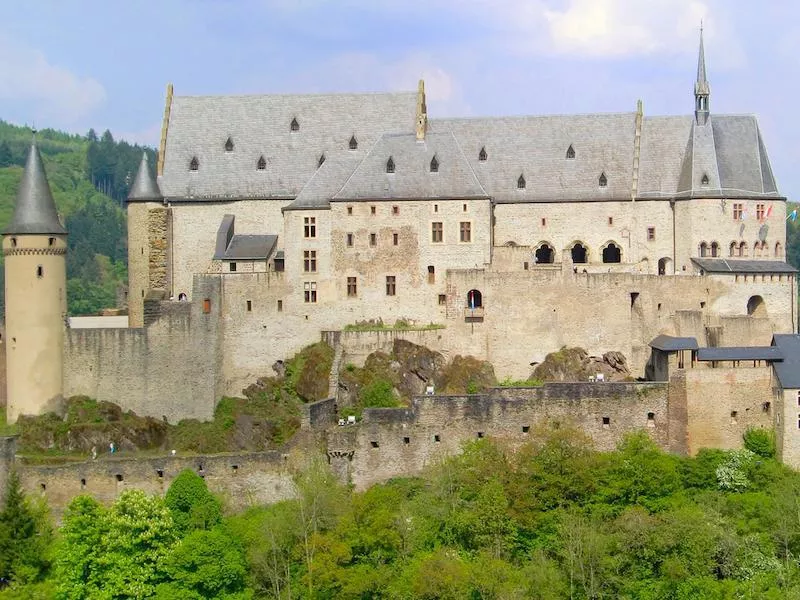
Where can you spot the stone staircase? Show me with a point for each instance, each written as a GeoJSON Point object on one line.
{"type": "Point", "coordinates": [333, 339]}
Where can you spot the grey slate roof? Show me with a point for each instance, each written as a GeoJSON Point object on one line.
{"type": "Point", "coordinates": [260, 126]}
{"type": "Point", "coordinates": [35, 210]}
{"type": "Point", "coordinates": [770, 353]}
{"type": "Point", "coordinates": [326, 181]}
{"type": "Point", "coordinates": [536, 148]}
{"type": "Point", "coordinates": [412, 177]}
{"type": "Point", "coordinates": [668, 343]}
{"type": "Point", "coordinates": [249, 247]}
{"type": "Point", "coordinates": [722, 265]}
{"type": "Point", "coordinates": [144, 186]}
{"type": "Point", "coordinates": [788, 370]}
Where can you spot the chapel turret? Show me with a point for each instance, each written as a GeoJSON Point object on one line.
{"type": "Point", "coordinates": [35, 248]}
{"type": "Point", "coordinates": [702, 91]}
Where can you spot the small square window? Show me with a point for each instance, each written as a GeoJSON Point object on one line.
{"type": "Point", "coordinates": [372, 210]}
{"type": "Point", "coordinates": [651, 234]}
{"type": "Point", "coordinates": [525, 266]}
{"type": "Point", "coordinates": [349, 210]}
{"type": "Point", "coordinates": [526, 428]}
{"type": "Point", "coordinates": [606, 422]}
{"type": "Point", "coordinates": [233, 267]}
{"type": "Point", "coordinates": [437, 438]}
{"type": "Point", "coordinates": [480, 435]}
{"type": "Point", "coordinates": [395, 210]}
{"type": "Point", "coordinates": [406, 440]}
{"type": "Point", "coordinates": [374, 444]}
{"type": "Point", "coordinates": [442, 299]}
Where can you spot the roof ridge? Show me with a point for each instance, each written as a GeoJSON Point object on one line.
{"type": "Point", "coordinates": [468, 163]}
{"type": "Point", "coordinates": [297, 95]}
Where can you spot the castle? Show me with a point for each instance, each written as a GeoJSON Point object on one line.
{"type": "Point", "coordinates": [272, 219]}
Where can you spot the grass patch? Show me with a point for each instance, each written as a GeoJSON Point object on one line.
{"type": "Point", "coordinates": [520, 383]}
{"type": "Point", "coordinates": [399, 325]}
{"type": "Point", "coordinates": [5, 428]}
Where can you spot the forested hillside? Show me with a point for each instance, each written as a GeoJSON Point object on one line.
{"type": "Point", "coordinates": [89, 178]}
{"type": "Point", "coordinates": [553, 520]}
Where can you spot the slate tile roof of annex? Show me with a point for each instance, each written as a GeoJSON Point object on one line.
{"type": "Point", "coordinates": [723, 265]}
{"type": "Point", "coordinates": [788, 371]}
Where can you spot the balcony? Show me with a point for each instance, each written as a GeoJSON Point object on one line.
{"type": "Point", "coordinates": [473, 315]}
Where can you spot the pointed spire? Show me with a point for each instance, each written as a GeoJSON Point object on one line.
{"type": "Point", "coordinates": [35, 211]}
{"type": "Point", "coordinates": [144, 186]}
{"type": "Point", "coordinates": [702, 90]}
{"type": "Point", "coordinates": [422, 112]}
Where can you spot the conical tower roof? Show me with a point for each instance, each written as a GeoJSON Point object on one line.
{"type": "Point", "coordinates": [701, 86]}
{"type": "Point", "coordinates": [144, 185]}
{"type": "Point", "coordinates": [35, 211]}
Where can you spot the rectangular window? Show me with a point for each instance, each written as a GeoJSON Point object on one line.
{"type": "Point", "coordinates": [207, 305]}
{"type": "Point", "coordinates": [349, 240]}
{"type": "Point", "coordinates": [436, 208]}
{"type": "Point", "coordinates": [310, 227]}
{"type": "Point", "coordinates": [395, 239]}
{"type": "Point", "coordinates": [280, 305]}
{"type": "Point", "coordinates": [310, 291]}
{"type": "Point", "coordinates": [738, 210]}
{"type": "Point", "coordinates": [310, 261]}
{"type": "Point", "coordinates": [249, 305]}
{"type": "Point", "coordinates": [610, 220]}
{"type": "Point", "coordinates": [352, 287]}
{"type": "Point", "coordinates": [544, 222]}
{"type": "Point", "coordinates": [373, 239]}
{"type": "Point", "coordinates": [466, 231]}
{"type": "Point", "coordinates": [372, 210]}
{"type": "Point", "coordinates": [349, 210]}
{"type": "Point", "coordinates": [760, 212]}
{"type": "Point", "coordinates": [431, 274]}
{"type": "Point", "coordinates": [437, 232]}
{"type": "Point", "coordinates": [442, 299]}
{"type": "Point", "coordinates": [395, 210]}
{"type": "Point", "coordinates": [651, 234]}
{"type": "Point", "coordinates": [232, 267]}
{"type": "Point", "coordinates": [464, 207]}
{"type": "Point", "coordinates": [391, 287]}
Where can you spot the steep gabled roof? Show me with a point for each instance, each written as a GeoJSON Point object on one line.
{"type": "Point", "coordinates": [35, 210]}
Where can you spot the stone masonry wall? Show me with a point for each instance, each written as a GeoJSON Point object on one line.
{"type": "Point", "coordinates": [397, 442]}
{"type": "Point", "coordinates": [157, 226]}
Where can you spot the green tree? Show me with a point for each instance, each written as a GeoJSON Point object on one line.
{"type": "Point", "coordinates": [82, 538]}
{"type": "Point", "coordinates": [191, 504]}
{"type": "Point", "coordinates": [23, 540]}
{"type": "Point", "coordinates": [760, 441]}
{"type": "Point", "coordinates": [6, 158]}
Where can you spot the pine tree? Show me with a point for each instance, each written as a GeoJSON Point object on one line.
{"type": "Point", "coordinates": [17, 532]}
{"type": "Point", "coordinates": [6, 158]}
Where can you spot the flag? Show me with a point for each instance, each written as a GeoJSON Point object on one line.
{"type": "Point", "coordinates": [792, 216]}
{"type": "Point", "coordinates": [769, 210]}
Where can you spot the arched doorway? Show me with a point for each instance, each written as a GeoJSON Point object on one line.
{"type": "Point", "coordinates": [664, 265]}
{"type": "Point", "coordinates": [578, 253]}
{"type": "Point", "coordinates": [612, 253]}
{"type": "Point", "coordinates": [756, 307]}
{"type": "Point", "coordinates": [474, 299]}
{"type": "Point", "coordinates": [544, 255]}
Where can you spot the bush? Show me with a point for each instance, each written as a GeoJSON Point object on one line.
{"type": "Point", "coordinates": [378, 394]}
{"type": "Point", "coordinates": [760, 441]}
{"type": "Point", "coordinates": [191, 504]}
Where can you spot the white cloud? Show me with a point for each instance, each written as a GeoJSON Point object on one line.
{"type": "Point", "coordinates": [149, 136]}
{"type": "Point", "coordinates": [52, 95]}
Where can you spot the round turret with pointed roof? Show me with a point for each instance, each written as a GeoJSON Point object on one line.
{"type": "Point", "coordinates": [144, 188]}
{"type": "Point", "coordinates": [35, 210]}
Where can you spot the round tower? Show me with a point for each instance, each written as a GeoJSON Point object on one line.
{"type": "Point", "coordinates": [35, 249]}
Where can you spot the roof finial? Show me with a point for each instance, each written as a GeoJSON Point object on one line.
{"type": "Point", "coordinates": [702, 90]}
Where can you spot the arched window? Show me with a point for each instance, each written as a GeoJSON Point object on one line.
{"type": "Point", "coordinates": [390, 165]}
{"type": "Point", "coordinates": [714, 249]}
{"type": "Point", "coordinates": [664, 265]}
{"type": "Point", "coordinates": [229, 145]}
{"type": "Point", "coordinates": [578, 253]}
{"type": "Point", "coordinates": [544, 255]}
{"type": "Point", "coordinates": [703, 249]}
{"type": "Point", "coordinates": [743, 249]}
{"type": "Point", "coordinates": [603, 181]}
{"type": "Point", "coordinates": [521, 182]}
{"type": "Point", "coordinates": [474, 299]}
{"type": "Point", "coordinates": [294, 125]}
{"type": "Point", "coordinates": [353, 143]}
{"type": "Point", "coordinates": [321, 160]}
{"type": "Point", "coordinates": [262, 164]}
{"type": "Point", "coordinates": [756, 249]}
{"type": "Point", "coordinates": [434, 165]}
{"type": "Point", "coordinates": [482, 156]}
{"type": "Point", "coordinates": [570, 152]}
{"type": "Point", "coordinates": [733, 249]}
{"type": "Point", "coordinates": [756, 307]}
{"type": "Point", "coordinates": [194, 164]}
{"type": "Point", "coordinates": [778, 250]}
{"type": "Point", "coordinates": [612, 253]}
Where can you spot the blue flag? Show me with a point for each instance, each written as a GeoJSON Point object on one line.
{"type": "Point", "coordinates": [792, 216]}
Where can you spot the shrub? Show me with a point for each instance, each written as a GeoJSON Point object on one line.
{"type": "Point", "coordinates": [760, 441]}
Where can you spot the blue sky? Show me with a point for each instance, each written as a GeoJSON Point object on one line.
{"type": "Point", "coordinates": [105, 64]}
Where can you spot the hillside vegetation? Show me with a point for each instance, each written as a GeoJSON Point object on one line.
{"type": "Point", "coordinates": [89, 178]}
{"type": "Point", "coordinates": [553, 520]}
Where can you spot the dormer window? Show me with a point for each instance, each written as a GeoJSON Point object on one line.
{"type": "Point", "coordinates": [321, 160]}
{"type": "Point", "coordinates": [521, 182]}
{"type": "Point", "coordinates": [390, 165]}
{"type": "Point", "coordinates": [229, 145]}
{"type": "Point", "coordinates": [704, 180]}
{"type": "Point", "coordinates": [570, 152]}
{"type": "Point", "coordinates": [482, 156]}
{"type": "Point", "coordinates": [434, 165]}
{"type": "Point", "coordinates": [603, 181]}
{"type": "Point", "coordinates": [194, 164]}
{"type": "Point", "coordinates": [294, 126]}
{"type": "Point", "coordinates": [353, 143]}
{"type": "Point", "coordinates": [262, 164]}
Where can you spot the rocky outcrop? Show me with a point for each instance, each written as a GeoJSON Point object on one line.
{"type": "Point", "coordinates": [575, 364]}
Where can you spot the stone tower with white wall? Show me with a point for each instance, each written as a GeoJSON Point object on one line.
{"type": "Point", "coordinates": [35, 249]}
{"type": "Point", "coordinates": [147, 242]}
